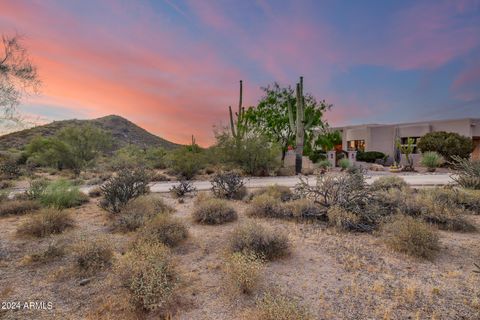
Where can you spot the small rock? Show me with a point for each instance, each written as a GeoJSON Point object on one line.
{"type": "Point", "coordinates": [84, 282]}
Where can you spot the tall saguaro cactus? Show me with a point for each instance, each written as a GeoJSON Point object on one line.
{"type": "Point", "coordinates": [238, 127]}
{"type": "Point", "coordinates": [299, 125]}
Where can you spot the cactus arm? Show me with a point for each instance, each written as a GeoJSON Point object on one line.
{"type": "Point", "coordinates": [290, 116]}
{"type": "Point", "coordinates": [232, 125]}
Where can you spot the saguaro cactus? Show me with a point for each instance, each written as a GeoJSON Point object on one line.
{"type": "Point", "coordinates": [299, 125]}
{"type": "Point", "coordinates": [238, 127]}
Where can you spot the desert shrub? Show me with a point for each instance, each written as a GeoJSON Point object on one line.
{"type": "Point", "coordinates": [303, 209]}
{"type": "Point", "coordinates": [344, 164]}
{"type": "Point", "coordinates": [432, 160]}
{"type": "Point", "coordinates": [343, 219]}
{"type": "Point", "coordinates": [347, 190]}
{"type": "Point", "coordinates": [93, 255]}
{"type": "Point", "coordinates": [324, 164]}
{"type": "Point", "coordinates": [95, 192]}
{"type": "Point", "coordinates": [469, 200]}
{"type": "Point", "coordinates": [138, 212]}
{"type": "Point", "coordinates": [388, 202]}
{"type": "Point", "coordinates": [266, 242]}
{"type": "Point", "coordinates": [281, 193]}
{"type": "Point", "coordinates": [277, 307]}
{"type": "Point", "coordinates": [214, 211]}
{"type": "Point", "coordinates": [447, 144]}
{"type": "Point", "coordinates": [17, 207]}
{"type": "Point", "coordinates": [120, 189]}
{"type": "Point", "coordinates": [388, 182]}
{"type": "Point", "coordinates": [468, 173]}
{"type": "Point", "coordinates": [186, 162]}
{"type": "Point", "coordinates": [370, 156]}
{"type": "Point", "coordinates": [46, 222]}
{"type": "Point", "coordinates": [36, 188]}
{"type": "Point", "coordinates": [62, 194]}
{"type": "Point", "coordinates": [440, 207]}
{"type": "Point", "coordinates": [254, 154]}
{"type": "Point", "coordinates": [52, 252]}
{"type": "Point", "coordinates": [228, 185]}
{"type": "Point", "coordinates": [411, 236]}
{"type": "Point", "coordinates": [182, 189]}
{"type": "Point", "coordinates": [128, 157]}
{"type": "Point", "coordinates": [266, 206]}
{"type": "Point", "coordinates": [148, 272]}
{"type": "Point", "coordinates": [156, 158]}
{"type": "Point", "coordinates": [5, 184]}
{"type": "Point", "coordinates": [9, 169]}
{"type": "Point", "coordinates": [165, 230]}
{"type": "Point", "coordinates": [244, 271]}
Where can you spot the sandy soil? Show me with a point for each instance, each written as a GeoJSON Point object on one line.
{"type": "Point", "coordinates": [336, 275]}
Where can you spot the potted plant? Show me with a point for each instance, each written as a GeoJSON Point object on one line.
{"type": "Point", "coordinates": [395, 167]}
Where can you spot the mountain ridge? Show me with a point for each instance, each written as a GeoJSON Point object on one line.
{"type": "Point", "coordinates": [123, 131]}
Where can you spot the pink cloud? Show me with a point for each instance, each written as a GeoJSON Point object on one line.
{"type": "Point", "coordinates": [466, 86]}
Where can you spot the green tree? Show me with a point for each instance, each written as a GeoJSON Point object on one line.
{"type": "Point", "coordinates": [447, 144]}
{"type": "Point", "coordinates": [271, 116]}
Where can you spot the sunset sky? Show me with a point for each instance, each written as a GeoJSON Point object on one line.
{"type": "Point", "coordinates": [172, 66]}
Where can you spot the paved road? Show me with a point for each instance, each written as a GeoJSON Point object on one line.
{"type": "Point", "coordinates": [413, 180]}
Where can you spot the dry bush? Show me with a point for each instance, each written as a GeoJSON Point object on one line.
{"type": "Point", "coordinates": [17, 207]}
{"type": "Point", "coordinates": [281, 193]}
{"type": "Point", "coordinates": [183, 189]}
{"type": "Point", "coordinates": [303, 209]}
{"type": "Point", "coordinates": [228, 185]}
{"type": "Point", "coordinates": [440, 207]}
{"type": "Point", "coordinates": [266, 206]}
{"type": "Point", "coordinates": [5, 184]}
{"type": "Point", "coordinates": [214, 211]}
{"type": "Point", "coordinates": [342, 219]}
{"type": "Point", "coordinates": [126, 186]}
{"type": "Point", "coordinates": [277, 307]}
{"type": "Point", "coordinates": [52, 252]}
{"type": "Point", "coordinates": [46, 222]}
{"type": "Point", "coordinates": [470, 200]}
{"type": "Point", "coordinates": [165, 230]}
{"type": "Point", "coordinates": [148, 272]}
{"type": "Point", "coordinates": [93, 255]}
{"type": "Point", "coordinates": [388, 182]}
{"type": "Point", "coordinates": [244, 272]}
{"type": "Point", "coordinates": [136, 213]}
{"type": "Point", "coordinates": [411, 236]}
{"type": "Point", "coordinates": [266, 242]}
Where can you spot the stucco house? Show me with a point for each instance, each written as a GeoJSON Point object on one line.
{"type": "Point", "coordinates": [382, 137]}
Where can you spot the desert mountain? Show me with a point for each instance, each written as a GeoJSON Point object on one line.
{"type": "Point", "coordinates": [123, 132]}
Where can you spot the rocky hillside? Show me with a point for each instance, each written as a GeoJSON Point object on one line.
{"type": "Point", "coordinates": [123, 132]}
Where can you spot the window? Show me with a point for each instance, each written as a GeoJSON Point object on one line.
{"type": "Point", "coordinates": [404, 142]}
{"type": "Point", "coordinates": [356, 145]}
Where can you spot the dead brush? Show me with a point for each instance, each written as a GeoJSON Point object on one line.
{"type": "Point", "coordinates": [46, 222]}
{"type": "Point", "coordinates": [279, 307]}
{"type": "Point", "coordinates": [411, 236]}
{"type": "Point", "coordinates": [228, 185]}
{"type": "Point", "coordinates": [244, 272]}
{"type": "Point", "coordinates": [17, 207]}
{"type": "Point", "coordinates": [165, 230]}
{"type": "Point", "coordinates": [266, 242]}
{"type": "Point", "coordinates": [93, 255]}
{"type": "Point", "coordinates": [281, 193]}
{"type": "Point", "coordinates": [148, 272]}
{"type": "Point", "coordinates": [183, 189]}
{"type": "Point", "coordinates": [266, 206]}
{"type": "Point", "coordinates": [214, 211]}
{"type": "Point", "coordinates": [51, 253]}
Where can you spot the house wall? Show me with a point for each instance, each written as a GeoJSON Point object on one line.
{"type": "Point", "coordinates": [462, 127]}
{"type": "Point", "coordinates": [381, 139]}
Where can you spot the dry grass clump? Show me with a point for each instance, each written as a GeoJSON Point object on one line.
{"type": "Point", "coordinates": [244, 271]}
{"type": "Point", "coordinates": [342, 219]}
{"type": "Point", "coordinates": [440, 207]}
{"type": "Point", "coordinates": [281, 193]}
{"type": "Point", "coordinates": [165, 230]}
{"type": "Point", "coordinates": [148, 272]}
{"type": "Point", "coordinates": [277, 307]}
{"type": "Point", "coordinates": [266, 206]}
{"type": "Point", "coordinates": [17, 207]}
{"type": "Point", "coordinates": [303, 209]}
{"type": "Point", "coordinates": [93, 255]}
{"type": "Point", "coordinates": [137, 212]}
{"type": "Point", "coordinates": [52, 252]}
{"type": "Point", "coordinates": [266, 242]}
{"type": "Point", "coordinates": [411, 236]}
{"type": "Point", "coordinates": [214, 211]}
{"type": "Point", "coordinates": [387, 183]}
{"type": "Point", "coordinates": [46, 222]}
